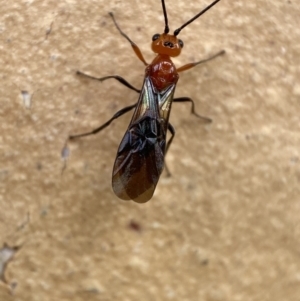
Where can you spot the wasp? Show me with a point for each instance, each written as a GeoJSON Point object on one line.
{"type": "Point", "coordinates": [140, 157]}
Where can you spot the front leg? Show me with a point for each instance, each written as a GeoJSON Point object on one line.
{"type": "Point", "coordinates": [191, 65]}
{"type": "Point", "coordinates": [135, 48]}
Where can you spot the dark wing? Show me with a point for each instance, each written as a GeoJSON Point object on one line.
{"type": "Point", "coordinates": [140, 157]}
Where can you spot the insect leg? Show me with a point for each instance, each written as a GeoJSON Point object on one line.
{"type": "Point", "coordinates": [187, 99]}
{"type": "Point", "coordinates": [172, 131]}
{"type": "Point", "coordinates": [191, 65]}
{"type": "Point", "coordinates": [107, 123]}
{"type": "Point", "coordinates": [117, 77]}
{"type": "Point", "coordinates": [135, 48]}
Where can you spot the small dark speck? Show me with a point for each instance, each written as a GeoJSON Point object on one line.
{"type": "Point", "coordinates": [205, 262]}
{"type": "Point", "coordinates": [294, 160]}
{"type": "Point", "coordinates": [93, 290]}
{"type": "Point", "coordinates": [113, 106]}
{"type": "Point", "coordinates": [3, 174]}
{"type": "Point", "coordinates": [48, 31]}
{"type": "Point", "coordinates": [135, 226]}
{"type": "Point", "coordinates": [13, 286]}
{"type": "Point", "coordinates": [247, 137]}
{"type": "Point", "coordinates": [44, 211]}
{"type": "Point", "coordinates": [138, 28]}
{"type": "Point", "coordinates": [39, 166]}
{"type": "Point", "coordinates": [24, 223]}
{"type": "Point", "coordinates": [103, 23]}
{"type": "Point", "coordinates": [191, 187]}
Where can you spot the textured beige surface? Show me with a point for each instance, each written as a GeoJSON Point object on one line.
{"type": "Point", "coordinates": [224, 227]}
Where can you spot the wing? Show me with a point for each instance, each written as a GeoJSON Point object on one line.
{"type": "Point", "coordinates": [140, 157]}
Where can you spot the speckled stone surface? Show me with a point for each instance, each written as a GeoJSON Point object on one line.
{"type": "Point", "coordinates": [224, 227]}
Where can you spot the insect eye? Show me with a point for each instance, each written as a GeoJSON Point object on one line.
{"type": "Point", "coordinates": [155, 37]}
{"type": "Point", "coordinates": [180, 43]}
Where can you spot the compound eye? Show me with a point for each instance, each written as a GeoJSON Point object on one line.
{"type": "Point", "coordinates": [180, 43]}
{"type": "Point", "coordinates": [155, 37]}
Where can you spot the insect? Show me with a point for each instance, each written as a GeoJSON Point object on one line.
{"type": "Point", "coordinates": [140, 157]}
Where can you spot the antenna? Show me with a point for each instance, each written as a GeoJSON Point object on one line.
{"type": "Point", "coordinates": [177, 31]}
{"type": "Point", "coordinates": [165, 15]}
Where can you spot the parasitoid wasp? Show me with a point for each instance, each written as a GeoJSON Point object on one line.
{"type": "Point", "coordinates": [140, 157]}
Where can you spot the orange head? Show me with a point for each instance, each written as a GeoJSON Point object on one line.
{"type": "Point", "coordinates": [169, 44]}
{"type": "Point", "coordinates": [166, 44]}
